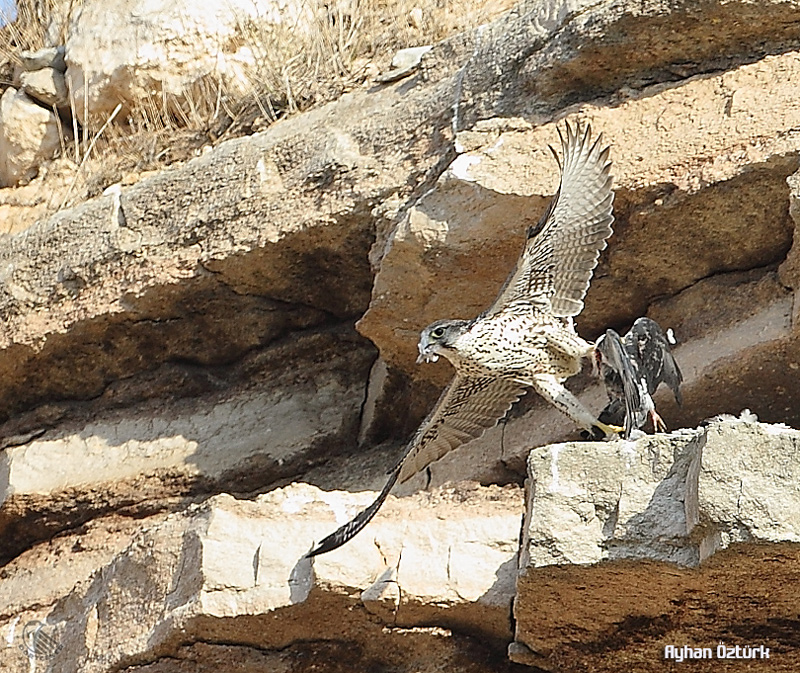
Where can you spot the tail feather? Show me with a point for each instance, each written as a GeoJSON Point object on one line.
{"type": "Point", "coordinates": [354, 526]}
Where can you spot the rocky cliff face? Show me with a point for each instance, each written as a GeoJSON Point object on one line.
{"type": "Point", "coordinates": [205, 372]}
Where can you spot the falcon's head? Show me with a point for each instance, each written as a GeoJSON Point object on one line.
{"type": "Point", "coordinates": [440, 337]}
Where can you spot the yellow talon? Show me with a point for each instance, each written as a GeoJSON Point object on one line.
{"type": "Point", "coordinates": [610, 429]}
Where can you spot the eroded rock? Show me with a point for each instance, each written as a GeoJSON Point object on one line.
{"type": "Point", "coordinates": [292, 412]}
{"type": "Point", "coordinates": [133, 51]}
{"type": "Point", "coordinates": [621, 533]}
{"type": "Point", "coordinates": [717, 189]}
{"type": "Point", "coordinates": [47, 86]}
{"type": "Point", "coordinates": [46, 57]}
{"type": "Point", "coordinates": [693, 203]}
{"type": "Point", "coordinates": [29, 136]}
{"type": "Point", "coordinates": [234, 571]}
{"type": "Point", "coordinates": [142, 313]}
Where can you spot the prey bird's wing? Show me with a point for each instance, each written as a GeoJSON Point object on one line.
{"type": "Point", "coordinates": [562, 250]}
{"type": "Point", "coordinates": [466, 408]}
{"type": "Point", "coordinates": [636, 396]}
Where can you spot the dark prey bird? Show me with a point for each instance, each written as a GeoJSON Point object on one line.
{"type": "Point", "coordinates": [525, 339]}
{"type": "Point", "coordinates": [632, 368]}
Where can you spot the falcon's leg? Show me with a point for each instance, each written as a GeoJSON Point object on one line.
{"type": "Point", "coordinates": [549, 387]}
{"type": "Point", "coordinates": [569, 343]}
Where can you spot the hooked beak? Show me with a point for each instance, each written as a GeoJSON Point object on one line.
{"type": "Point", "coordinates": [425, 354]}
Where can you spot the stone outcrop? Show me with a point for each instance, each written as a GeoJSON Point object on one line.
{"type": "Point", "coordinates": [628, 533]}
{"type": "Point", "coordinates": [29, 135]}
{"type": "Point", "coordinates": [31, 132]}
{"type": "Point", "coordinates": [195, 367]}
{"type": "Point", "coordinates": [240, 439]}
{"type": "Point", "coordinates": [133, 50]}
{"type": "Point", "coordinates": [626, 547]}
{"type": "Point", "coordinates": [214, 567]}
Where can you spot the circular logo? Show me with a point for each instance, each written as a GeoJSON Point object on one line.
{"type": "Point", "coordinates": [40, 640]}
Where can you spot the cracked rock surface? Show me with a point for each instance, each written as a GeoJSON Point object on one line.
{"type": "Point", "coordinates": [233, 571]}
{"type": "Point", "coordinates": [204, 373]}
{"type": "Point", "coordinates": [629, 547]}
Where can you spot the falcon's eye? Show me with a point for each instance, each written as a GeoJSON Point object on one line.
{"type": "Point", "coordinates": [437, 333]}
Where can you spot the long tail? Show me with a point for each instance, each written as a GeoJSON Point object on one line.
{"type": "Point", "coordinates": [354, 526]}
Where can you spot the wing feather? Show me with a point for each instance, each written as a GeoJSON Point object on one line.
{"type": "Point", "coordinates": [466, 408]}
{"type": "Point", "coordinates": [638, 402]}
{"type": "Point", "coordinates": [562, 250]}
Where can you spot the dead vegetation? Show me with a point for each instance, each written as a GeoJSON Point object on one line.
{"type": "Point", "coordinates": [347, 45]}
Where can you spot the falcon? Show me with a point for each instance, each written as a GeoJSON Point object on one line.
{"type": "Point", "coordinates": [632, 368]}
{"type": "Point", "coordinates": [526, 338]}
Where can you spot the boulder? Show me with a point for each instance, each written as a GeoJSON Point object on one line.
{"type": "Point", "coordinates": [47, 85]}
{"type": "Point", "coordinates": [29, 136]}
{"type": "Point", "coordinates": [132, 51]}
{"type": "Point", "coordinates": [626, 533]}
{"type": "Point", "coordinates": [46, 57]}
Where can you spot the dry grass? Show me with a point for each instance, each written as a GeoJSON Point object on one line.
{"type": "Point", "coordinates": [350, 41]}
{"type": "Point", "coordinates": [347, 44]}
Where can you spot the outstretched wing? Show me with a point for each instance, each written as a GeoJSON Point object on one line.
{"type": "Point", "coordinates": [466, 408]}
{"type": "Point", "coordinates": [562, 250]}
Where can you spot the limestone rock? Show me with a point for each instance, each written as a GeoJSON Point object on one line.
{"type": "Point", "coordinates": [132, 50]}
{"type": "Point", "coordinates": [46, 85]}
{"type": "Point", "coordinates": [459, 256]}
{"type": "Point", "coordinates": [790, 268]}
{"type": "Point", "coordinates": [405, 62]}
{"type": "Point", "coordinates": [46, 57]}
{"type": "Point", "coordinates": [263, 278]}
{"type": "Point", "coordinates": [676, 186]}
{"type": "Point", "coordinates": [23, 206]}
{"type": "Point", "coordinates": [39, 578]}
{"type": "Point", "coordinates": [241, 438]}
{"type": "Point", "coordinates": [29, 135]}
{"type": "Point", "coordinates": [203, 574]}
{"type": "Point", "coordinates": [627, 546]}
{"type": "Point", "coordinates": [193, 333]}
{"type": "Point", "coordinates": [594, 509]}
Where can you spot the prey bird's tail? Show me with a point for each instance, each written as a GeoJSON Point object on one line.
{"type": "Point", "coordinates": [354, 526]}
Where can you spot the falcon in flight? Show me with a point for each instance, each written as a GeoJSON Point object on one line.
{"type": "Point", "coordinates": [525, 339]}
{"type": "Point", "coordinates": [632, 369]}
